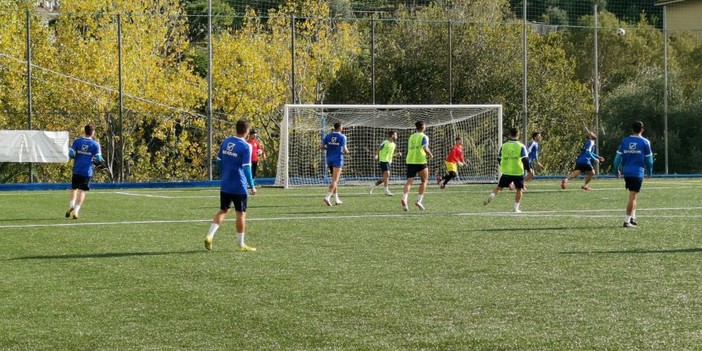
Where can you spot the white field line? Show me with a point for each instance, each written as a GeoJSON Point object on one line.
{"type": "Point", "coordinates": [613, 213]}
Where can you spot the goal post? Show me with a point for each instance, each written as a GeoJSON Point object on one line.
{"type": "Point", "coordinates": [302, 163]}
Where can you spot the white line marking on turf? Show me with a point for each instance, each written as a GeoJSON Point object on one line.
{"type": "Point", "coordinates": [563, 213]}
{"type": "Point", "coordinates": [144, 195]}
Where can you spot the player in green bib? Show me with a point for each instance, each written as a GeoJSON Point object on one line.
{"type": "Point", "coordinates": [514, 160]}
{"type": "Point", "coordinates": [384, 155]}
{"type": "Point", "coordinates": [417, 153]}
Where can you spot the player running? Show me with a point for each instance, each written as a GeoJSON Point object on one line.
{"type": "Point", "coordinates": [384, 155]}
{"type": "Point", "coordinates": [533, 149]}
{"type": "Point", "coordinates": [84, 151]}
{"type": "Point", "coordinates": [513, 161]}
{"type": "Point", "coordinates": [417, 154]}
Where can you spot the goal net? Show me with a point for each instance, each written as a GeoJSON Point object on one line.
{"type": "Point", "coordinates": [301, 162]}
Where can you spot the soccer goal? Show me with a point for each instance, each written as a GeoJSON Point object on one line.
{"type": "Point", "coordinates": [302, 163]}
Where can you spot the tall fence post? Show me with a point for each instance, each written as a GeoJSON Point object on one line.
{"type": "Point", "coordinates": [29, 81]}
{"type": "Point", "coordinates": [525, 72]}
{"type": "Point", "coordinates": [450, 62]}
{"type": "Point", "coordinates": [665, 85]}
{"type": "Point", "coordinates": [596, 85]}
{"type": "Point", "coordinates": [209, 89]}
{"type": "Point", "coordinates": [120, 130]}
{"type": "Point", "coordinates": [373, 60]}
{"type": "Point", "coordinates": [292, 58]}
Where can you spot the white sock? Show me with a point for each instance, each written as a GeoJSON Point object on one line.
{"type": "Point", "coordinates": [627, 218]}
{"type": "Point", "coordinates": [516, 205]}
{"type": "Point", "coordinates": [633, 214]}
{"type": "Point", "coordinates": [565, 180]}
{"type": "Point", "coordinates": [387, 189]}
{"type": "Point", "coordinates": [420, 198]}
{"type": "Point", "coordinates": [213, 230]}
{"type": "Point", "coordinates": [404, 196]}
{"type": "Point", "coordinates": [336, 197]}
{"type": "Point", "coordinates": [492, 195]}
{"type": "Point", "coordinates": [76, 208]}
{"type": "Point", "coordinates": [328, 196]}
{"type": "Point", "coordinates": [72, 203]}
{"type": "Point", "coordinates": [240, 239]}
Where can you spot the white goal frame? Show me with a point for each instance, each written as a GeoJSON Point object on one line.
{"type": "Point", "coordinates": [482, 153]}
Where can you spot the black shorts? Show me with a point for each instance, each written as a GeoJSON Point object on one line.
{"type": "Point", "coordinates": [413, 169]}
{"type": "Point", "coordinates": [633, 183]}
{"type": "Point", "coordinates": [80, 182]}
{"type": "Point", "coordinates": [254, 166]}
{"type": "Point", "coordinates": [384, 166]}
{"type": "Point", "coordinates": [506, 180]}
{"type": "Point", "coordinates": [331, 168]}
{"type": "Point", "coordinates": [584, 168]}
{"type": "Point", "coordinates": [226, 200]}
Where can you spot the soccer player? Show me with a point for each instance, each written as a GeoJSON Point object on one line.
{"type": "Point", "coordinates": [417, 153]}
{"type": "Point", "coordinates": [335, 144]}
{"type": "Point", "coordinates": [452, 161]}
{"type": "Point", "coordinates": [234, 163]}
{"type": "Point", "coordinates": [583, 164]}
{"type": "Point", "coordinates": [384, 155]}
{"type": "Point", "coordinates": [256, 151]}
{"type": "Point", "coordinates": [634, 155]}
{"type": "Point", "coordinates": [533, 152]}
{"type": "Point", "coordinates": [513, 161]}
{"type": "Point", "coordinates": [84, 151]}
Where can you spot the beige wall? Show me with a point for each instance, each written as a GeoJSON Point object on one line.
{"type": "Point", "coordinates": [686, 16]}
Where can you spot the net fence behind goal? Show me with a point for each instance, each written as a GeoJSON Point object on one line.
{"type": "Point", "coordinates": [302, 163]}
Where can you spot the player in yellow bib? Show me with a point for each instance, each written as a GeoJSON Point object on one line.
{"type": "Point", "coordinates": [417, 154]}
{"type": "Point", "coordinates": [384, 155]}
{"type": "Point", "coordinates": [514, 160]}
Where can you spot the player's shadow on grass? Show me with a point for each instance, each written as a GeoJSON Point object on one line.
{"type": "Point", "coordinates": [106, 255]}
{"type": "Point", "coordinates": [635, 251]}
{"type": "Point", "coordinates": [539, 229]}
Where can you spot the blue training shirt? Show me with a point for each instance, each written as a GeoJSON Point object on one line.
{"type": "Point", "coordinates": [84, 150]}
{"type": "Point", "coordinates": [335, 143]}
{"type": "Point", "coordinates": [587, 153]}
{"type": "Point", "coordinates": [533, 151]}
{"type": "Point", "coordinates": [634, 150]}
{"type": "Point", "coordinates": [234, 154]}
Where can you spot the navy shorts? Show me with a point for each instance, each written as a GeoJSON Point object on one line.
{"type": "Point", "coordinates": [506, 180]}
{"type": "Point", "coordinates": [384, 166]}
{"type": "Point", "coordinates": [331, 167]}
{"type": "Point", "coordinates": [633, 183]}
{"type": "Point", "coordinates": [80, 182]}
{"type": "Point", "coordinates": [226, 200]}
{"type": "Point", "coordinates": [584, 168]}
{"type": "Point", "coordinates": [413, 169]}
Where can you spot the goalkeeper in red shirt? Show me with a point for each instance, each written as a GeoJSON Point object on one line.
{"type": "Point", "coordinates": [452, 161]}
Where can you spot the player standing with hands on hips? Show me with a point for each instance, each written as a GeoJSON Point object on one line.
{"type": "Point", "coordinates": [634, 156]}
{"type": "Point", "coordinates": [514, 161]}
{"type": "Point", "coordinates": [335, 144]}
{"type": "Point", "coordinates": [417, 153]}
{"type": "Point", "coordinates": [234, 163]}
{"type": "Point", "coordinates": [83, 151]}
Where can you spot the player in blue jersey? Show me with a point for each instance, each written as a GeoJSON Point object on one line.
{"type": "Point", "coordinates": [234, 163]}
{"type": "Point", "coordinates": [533, 150]}
{"type": "Point", "coordinates": [335, 144]}
{"type": "Point", "coordinates": [583, 164]}
{"type": "Point", "coordinates": [84, 151]}
{"type": "Point", "coordinates": [634, 156]}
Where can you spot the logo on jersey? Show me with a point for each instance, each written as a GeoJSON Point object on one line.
{"type": "Point", "coordinates": [632, 146]}
{"type": "Point", "coordinates": [229, 150]}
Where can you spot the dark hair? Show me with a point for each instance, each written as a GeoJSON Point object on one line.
{"type": "Point", "coordinates": [252, 131]}
{"type": "Point", "coordinates": [459, 138]}
{"type": "Point", "coordinates": [535, 134]}
{"type": "Point", "coordinates": [242, 126]}
{"type": "Point", "coordinates": [419, 124]}
{"type": "Point", "coordinates": [391, 133]}
{"type": "Point", "coordinates": [637, 126]}
{"type": "Point", "coordinates": [337, 125]}
{"type": "Point", "coordinates": [89, 129]}
{"type": "Point", "coordinates": [514, 132]}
